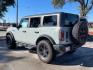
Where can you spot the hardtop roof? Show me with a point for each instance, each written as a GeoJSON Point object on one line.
{"type": "Point", "coordinates": [37, 15]}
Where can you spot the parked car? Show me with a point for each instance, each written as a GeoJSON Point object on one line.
{"type": "Point", "coordinates": [48, 33]}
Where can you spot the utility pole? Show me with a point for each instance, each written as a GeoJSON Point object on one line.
{"type": "Point", "coordinates": [17, 12]}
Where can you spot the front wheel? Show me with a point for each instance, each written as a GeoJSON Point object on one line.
{"type": "Point", "coordinates": [10, 42]}
{"type": "Point", "coordinates": [45, 51]}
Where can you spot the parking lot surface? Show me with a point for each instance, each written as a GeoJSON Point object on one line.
{"type": "Point", "coordinates": [21, 59]}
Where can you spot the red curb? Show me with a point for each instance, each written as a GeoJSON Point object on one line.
{"type": "Point", "coordinates": [90, 33]}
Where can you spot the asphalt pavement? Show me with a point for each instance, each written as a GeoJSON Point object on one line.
{"type": "Point", "coordinates": [21, 59]}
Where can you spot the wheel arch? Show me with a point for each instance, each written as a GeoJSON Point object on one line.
{"type": "Point", "coordinates": [45, 37]}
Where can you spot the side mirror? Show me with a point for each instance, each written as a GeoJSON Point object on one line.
{"type": "Point", "coordinates": [19, 26]}
{"type": "Point", "coordinates": [14, 25]}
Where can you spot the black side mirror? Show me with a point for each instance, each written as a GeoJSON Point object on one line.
{"type": "Point", "coordinates": [14, 25]}
{"type": "Point", "coordinates": [19, 26]}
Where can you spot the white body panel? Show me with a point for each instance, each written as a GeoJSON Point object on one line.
{"type": "Point", "coordinates": [30, 36]}
{"type": "Point", "coordinates": [18, 34]}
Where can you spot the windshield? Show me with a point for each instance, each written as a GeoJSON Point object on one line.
{"type": "Point", "coordinates": [68, 20]}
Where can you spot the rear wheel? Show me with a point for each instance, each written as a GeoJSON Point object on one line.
{"type": "Point", "coordinates": [45, 51]}
{"type": "Point", "coordinates": [10, 42]}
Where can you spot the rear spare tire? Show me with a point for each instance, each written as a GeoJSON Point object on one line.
{"type": "Point", "coordinates": [80, 33]}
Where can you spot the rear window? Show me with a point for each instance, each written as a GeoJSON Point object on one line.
{"type": "Point", "coordinates": [69, 19]}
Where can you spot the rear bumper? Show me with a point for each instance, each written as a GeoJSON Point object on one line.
{"type": "Point", "coordinates": [65, 48]}
{"type": "Point", "coordinates": [62, 48]}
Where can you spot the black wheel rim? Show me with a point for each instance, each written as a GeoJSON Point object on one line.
{"type": "Point", "coordinates": [43, 51]}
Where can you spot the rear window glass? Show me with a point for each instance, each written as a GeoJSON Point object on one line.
{"type": "Point", "coordinates": [69, 19]}
{"type": "Point", "coordinates": [50, 20]}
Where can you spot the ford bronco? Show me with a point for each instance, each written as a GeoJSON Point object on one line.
{"type": "Point", "coordinates": [48, 33]}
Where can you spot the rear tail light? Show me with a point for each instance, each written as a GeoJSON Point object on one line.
{"type": "Point", "coordinates": [61, 35]}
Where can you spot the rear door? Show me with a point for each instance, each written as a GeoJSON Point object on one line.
{"type": "Point", "coordinates": [50, 27]}
{"type": "Point", "coordinates": [33, 31]}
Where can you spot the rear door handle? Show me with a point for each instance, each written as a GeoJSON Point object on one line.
{"type": "Point", "coordinates": [24, 31]}
{"type": "Point", "coordinates": [37, 32]}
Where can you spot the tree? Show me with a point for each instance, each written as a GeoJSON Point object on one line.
{"type": "Point", "coordinates": [85, 5]}
{"type": "Point", "coordinates": [4, 4]}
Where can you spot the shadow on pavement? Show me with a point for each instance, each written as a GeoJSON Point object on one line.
{"type": "Point", "coordinates": [83, 56]}
{"type": "Point", "coordinates": [90, 38]}
{"type": "Point", "coordinates": [4, 53]}
{"type": "Point", "coordinates": [5, 58]}
{"type": "Point", "coordinates": [20, 49]}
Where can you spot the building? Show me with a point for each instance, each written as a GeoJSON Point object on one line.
{"type": "Point", "coordinates": [90, 24]}
{"type": "Point", "coordinates": [4, 26]}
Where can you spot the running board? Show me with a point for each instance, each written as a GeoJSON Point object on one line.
{"type": "Point", "coordinates": [28, 46]}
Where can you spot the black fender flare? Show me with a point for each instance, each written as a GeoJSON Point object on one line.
{"type": "Point", "coordinates": [42, 37]}
{"type": "Point", "coordinates": [10, 33]}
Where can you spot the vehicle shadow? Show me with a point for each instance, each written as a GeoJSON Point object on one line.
{"type": "Point", "coordinates": [20, 49]}
{"type": "Point", "coordinates": [83, 56]}
{"type": "Point", "coordinates": [90, 38]}
{"type": "Point", "coordinates": [5, 56]}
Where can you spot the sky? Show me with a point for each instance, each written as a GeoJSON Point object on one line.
{"type": "Point", "coordinates": [33, 7]}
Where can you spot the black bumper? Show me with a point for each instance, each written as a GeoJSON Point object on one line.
{"type": "Point", "coordinates": [65, 48]}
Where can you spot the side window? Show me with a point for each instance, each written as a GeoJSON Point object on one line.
{"type": "Point", "coordinates": [50, 20]}
{"type": "Point", "coordinates": [35, 22]}
{"type": "Point", "coordinates": [24, 23]}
